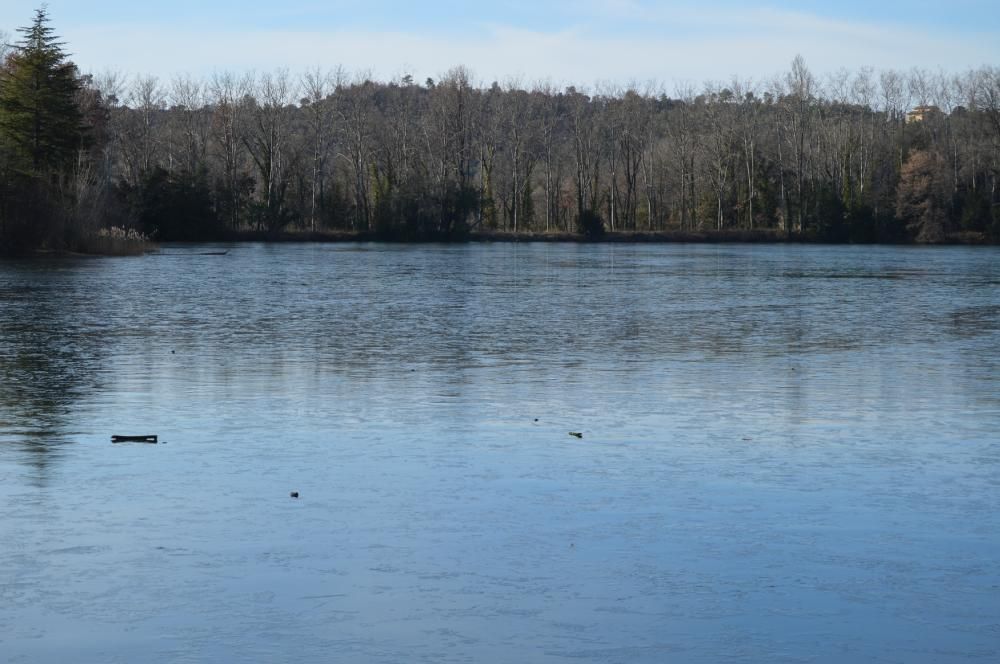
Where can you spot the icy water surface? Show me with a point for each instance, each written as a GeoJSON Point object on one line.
{"type": "Point", "coordinates": [789, 454]}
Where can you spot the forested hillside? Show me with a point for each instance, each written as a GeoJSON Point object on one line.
{"type": "Point", "coordinates": [858, 156]}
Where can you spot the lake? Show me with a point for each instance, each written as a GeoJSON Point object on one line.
{"type": "Point", "coordinates": [788, 454]}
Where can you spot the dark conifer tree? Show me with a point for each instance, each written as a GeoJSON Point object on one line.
{"type": "Point", "coordinates": [41, 136]}
{"type": "Point", "coordinates": [40, 119]}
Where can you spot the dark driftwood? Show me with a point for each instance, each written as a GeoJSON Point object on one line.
{"type": "Point", "coordinates": [134, 439]}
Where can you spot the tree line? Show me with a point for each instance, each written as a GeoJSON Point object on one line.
{"type": "Point", "coordinates": [856, 156]}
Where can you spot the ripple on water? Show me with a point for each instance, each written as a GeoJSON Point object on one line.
{"type": "Point", "coordinates": [783, 447]}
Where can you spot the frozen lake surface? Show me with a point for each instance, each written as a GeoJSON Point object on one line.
{"type": "Point", "coordinates": [789, 454]}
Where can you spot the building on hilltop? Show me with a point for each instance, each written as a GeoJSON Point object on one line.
{"type": "Point", "coordinates": [921, 113]}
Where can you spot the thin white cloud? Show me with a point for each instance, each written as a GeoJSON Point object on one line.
{"type": "Point", "coordinates": [694, 46]}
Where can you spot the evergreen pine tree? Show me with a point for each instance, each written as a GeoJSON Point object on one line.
{"type": "Point", "coordinates": [40, 120]}
{"type": "Point", "coordinates": [41, 134]}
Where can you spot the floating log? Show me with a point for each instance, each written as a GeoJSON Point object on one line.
{"type": "Point", "coordinates": [134, 439]}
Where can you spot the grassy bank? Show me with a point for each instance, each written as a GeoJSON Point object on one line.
{"type": "Point", "coordinates": [114, 241]}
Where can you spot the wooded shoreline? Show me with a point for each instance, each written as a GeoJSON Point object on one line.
{"type": "Point", "coordinates": [105, 164]}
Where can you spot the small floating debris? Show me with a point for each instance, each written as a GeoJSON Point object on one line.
{"type": "Point", "coordinates": [134, 439]}
{"type": "Point", "coordinates": [294, 494]}
{"type": "Point", "coordinates": [576, 434]}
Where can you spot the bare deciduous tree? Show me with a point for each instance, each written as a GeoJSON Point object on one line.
{"type": "Point", "coordinates": [325, 150]}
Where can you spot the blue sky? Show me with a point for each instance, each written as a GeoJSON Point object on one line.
{"type": "Point", "coordinates": [565, 41]}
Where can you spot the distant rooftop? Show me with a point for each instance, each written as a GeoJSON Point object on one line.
{"type": "Point", "coordinates": [921, 113]}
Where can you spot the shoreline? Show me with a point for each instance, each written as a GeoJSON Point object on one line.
{"type": "Point", "coordinates": [966, 239]}
{"type": "Point", "coordinates": [616, 237]}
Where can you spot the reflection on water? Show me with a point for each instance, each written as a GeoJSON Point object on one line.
{"type": "Point", "coordinates": [783, 447]}
{"type": "Point", "coordinates": [47, 363]}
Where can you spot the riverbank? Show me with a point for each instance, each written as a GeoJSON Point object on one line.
{"type": "Point", "coordinates": [96, 246]}
{"type": "Point", "coordinates": [672, 236]}
{"type": "Point", "coordinates": [107, 245]}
